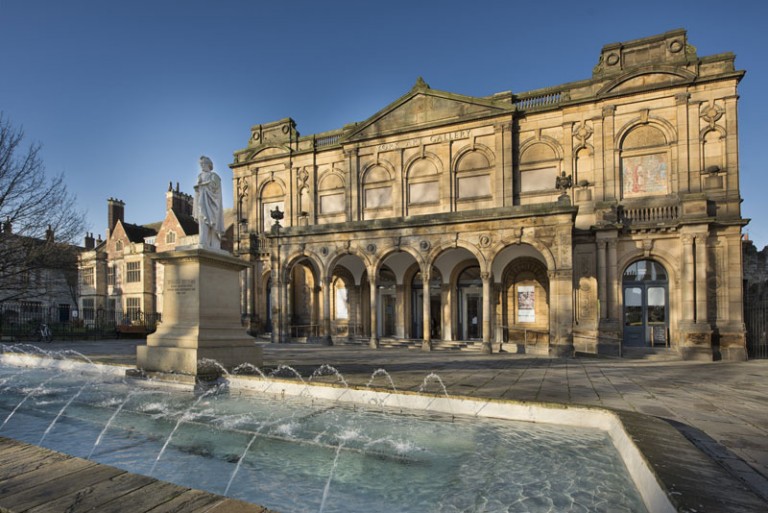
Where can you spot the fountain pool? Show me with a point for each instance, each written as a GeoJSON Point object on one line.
{"type": "Point", "coordinates": [319, 451]}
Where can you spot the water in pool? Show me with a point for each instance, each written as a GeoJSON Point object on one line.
{"type": "Point", "coordinates": [299, 455]}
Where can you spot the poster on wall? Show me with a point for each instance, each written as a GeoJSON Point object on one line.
{"type": "Point", "coordinates": [525, 304]}
{"type": "Point", "coordinates": [645, 175]}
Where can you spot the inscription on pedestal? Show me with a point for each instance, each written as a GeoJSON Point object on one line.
{"type": "Point", "coordinates": [181, 287]}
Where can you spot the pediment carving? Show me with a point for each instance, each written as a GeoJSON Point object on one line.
{"type": "Point", "coordinates": [424, 107]}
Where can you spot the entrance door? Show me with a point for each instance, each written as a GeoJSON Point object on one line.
{"type": "Point", "coordinates": [646, 311]}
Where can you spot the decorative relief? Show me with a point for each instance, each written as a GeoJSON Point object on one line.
{"type": "Point", "coordinates": [424, 245]}
{"type": "Point", "coordinates": [711, 113]}
{"type": "Point", "coordinates": [581, 132]}
{"type": "Point", "coordinates": [324, 251]}
{"type": "Point", "coordinates": [485, 241]}
{"type": "Point", "coordinates": [371, 248]}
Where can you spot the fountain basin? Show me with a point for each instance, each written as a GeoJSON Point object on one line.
{"type": "Point", "coordinates": [334, 448]}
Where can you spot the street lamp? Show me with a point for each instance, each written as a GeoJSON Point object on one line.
{"type": "Point", "coordinates": [277, 216]}
{"type": "Point", "coordinates": [242, 222]}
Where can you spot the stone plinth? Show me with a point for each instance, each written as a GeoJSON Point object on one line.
{"type": "Point", "coordinates": [201, 315]}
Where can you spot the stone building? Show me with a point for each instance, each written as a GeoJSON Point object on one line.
{"type": "Point", "coordinates": [119, 280]}
{"type": "Point", "coordinates": [591, 216]}
{"type": "Point", "coordinates": [38, 280]}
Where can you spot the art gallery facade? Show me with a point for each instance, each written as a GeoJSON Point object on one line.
{"type": "Point", "coordinates": [592, 216]}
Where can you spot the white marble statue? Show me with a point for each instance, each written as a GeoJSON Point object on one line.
{"type": "Point", "coordinates": [208, 207]}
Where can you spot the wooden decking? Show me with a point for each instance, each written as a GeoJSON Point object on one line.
{"type": "Point", "coordinates": [37, 480]}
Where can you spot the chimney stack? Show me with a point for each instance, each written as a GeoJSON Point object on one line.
{"type": "Point", "coordinates": [115, 213]}
{"type": "Point", "coordinates": [90, 242]}
{"type": "Point", "coordinates": [49, 234]}
{"type": "Point", "coordinates": [7, 227]}
{"type": "Point", "coordinates": [177, 201]}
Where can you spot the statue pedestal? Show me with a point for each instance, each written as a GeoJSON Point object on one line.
{"type": "Point", "coordinates": [201, 315]}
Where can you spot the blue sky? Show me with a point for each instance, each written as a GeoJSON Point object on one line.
{"type": "Point", "coordinates": [125, 96]}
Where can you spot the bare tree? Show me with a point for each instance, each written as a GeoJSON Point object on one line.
{"type": "Point", "coordinates": [39, 217]}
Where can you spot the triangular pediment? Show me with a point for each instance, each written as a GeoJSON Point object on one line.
{"type": "Point", "coordinates": [423, 107]}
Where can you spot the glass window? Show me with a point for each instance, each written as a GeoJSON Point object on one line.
{"type": "Point", "coordinates": [645, 270]}
{"type": "Point", "coordinates": [86, 276]}
{"type": "Point", "coordinates": [656, 305]}
{"type": "Point", "coordinates": [633, 306]}
{"type": "Point", "coordinates": [133, 272]}
{"type": "Point", "coordinates": [133, 308]}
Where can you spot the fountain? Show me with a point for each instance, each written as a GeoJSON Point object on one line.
{"type": "Point", "coordinates": [295, 446]}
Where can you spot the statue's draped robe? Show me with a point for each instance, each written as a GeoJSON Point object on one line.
{"type": "Point", "coordinates": [208, 209]}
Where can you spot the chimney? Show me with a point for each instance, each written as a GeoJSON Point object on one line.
{"type": "Point", "coordinates": [115, 213]}
{"type": "Point", "coordinates": [90, 242]}
{"type": "Point", "coordinates": [49, 234]}
{"type": "Point", "coordinates": [7, 227]}
{"type": "Point", "coordinates": [177, 201]}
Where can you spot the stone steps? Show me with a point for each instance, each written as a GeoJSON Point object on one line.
{"type": "Point", "coordinates": [650, 353]}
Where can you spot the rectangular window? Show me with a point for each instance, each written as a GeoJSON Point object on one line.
{"type": "Point", "coordinates": [88, 309]}
{"type": "Point", "coordinates": [133, 272]}
{"type": "Point", "coordinates": [380, 197]}
{"type": "Point", "coordinates": [474, 187]}
{"type": "Point", "coordinates": [332, 203]}
{"type": "Point", "coordinates": [424, 192]}
{"type": "Point", "coordinates": [111, 276]}
{"type": "Point", "coordinates": [542, 179]}
{"type": "Point", "coordinates": [133, 308]}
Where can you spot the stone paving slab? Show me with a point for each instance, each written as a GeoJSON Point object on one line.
{"type": "Point", "coordinates": [43, 481]}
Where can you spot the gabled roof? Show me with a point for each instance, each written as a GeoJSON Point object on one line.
{"type": "Point", "coordinates": [136, 233]}
{"type": "Point", "coordinates": [423, 107]}
{"type": "Point", "coordinates": [188, 223]}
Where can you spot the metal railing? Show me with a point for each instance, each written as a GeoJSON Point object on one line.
{"type": "Point", "coordinates": [756, 322]}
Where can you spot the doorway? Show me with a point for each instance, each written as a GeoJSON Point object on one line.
{"type": "Point", "coordinates": [646, 305]}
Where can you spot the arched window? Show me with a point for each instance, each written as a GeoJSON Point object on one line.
{"type": "Point", "coordinates": [539, 168]}
{"type": "Point", "coordinates": [423, 183]}
{"type": "Point", "coordinates": [473, 181]}
{"type": "Point", "coordinates": [645, 162]}
{"type": "Point", "coordinates": [331, 194]}
{"type": "Point", "coordinates": [272, 197]}
{"type": "Point", "coordinates": [377, 192]}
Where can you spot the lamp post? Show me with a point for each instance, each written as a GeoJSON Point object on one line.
{"type": "Point", "coordinates": [242, 223]}
{"type": "Point", "coordinates": [277, 284]}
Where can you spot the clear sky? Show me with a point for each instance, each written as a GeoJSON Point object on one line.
{"type": "Point", "coordinates": [125, 95]}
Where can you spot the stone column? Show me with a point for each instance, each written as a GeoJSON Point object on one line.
{"type": "Point", "coordinates": [687, 284]}
{"type": "Point", "coordinates": [686, 181]}
{"type": "Point", "coordinates": [561, 312]}
{"type": "Point", "coordinates": [609, 154]}
{"type": "Point", "coordinates": [602, 288]}
{"type": "Point", "coordinates": [400, 302]}
{"type": "Point", "coordinates": [486, 277]}
{"type": "Point", "coordinates": [701, 278]}
{"type": "Point", "coordinates": [374, 291]}
{"type": "Point", "coordinates": [614, 285]}
{"type": "Point", "coordinates": [326, 291]}
{"type": "Point", "coordinates": [426, 343]}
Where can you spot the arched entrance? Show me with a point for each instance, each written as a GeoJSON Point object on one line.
{"type": "Point", "coordinates": [525, 302]}
{"type": "Point", "coordinates": [645, 285]}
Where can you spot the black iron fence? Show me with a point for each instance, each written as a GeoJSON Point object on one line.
{"type": "Point", "coordinates": [756, 321]}
{"type": "Point", "coordinates": [18, 323]}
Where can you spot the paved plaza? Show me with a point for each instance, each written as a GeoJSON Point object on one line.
{"type": "Point", "coordinates": [721, 406]}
